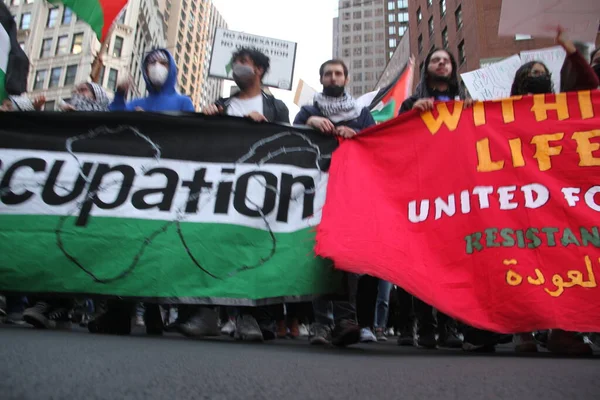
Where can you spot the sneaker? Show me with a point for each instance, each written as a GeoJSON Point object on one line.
{"type": "Point", "coordinates": [229, 328]}
{"type": "Point", "coordinates": [390, 332]}
{"type": "Point", "coordinates": [139, 320]}
{"type": "Point", "coordinates": [380, 335]}
{"type": "Point", "coordinates": [294, 329]}
{"type": "Point", "coordinates": [426, 340]}
{"type": "Point", "coordinates": [448, 338]}
{"type": "Point", "coordinates": [303, 330]}
{"type": "Point", "coordinates": [44, 316]}
{"type": "Point", "coordinates": [15, 318]}
{"type": "Point", "coordinates": [345, 333]}
{"type": "Point", "coordinates": [281, 330]}
{"type": "Point", "coordinates": [567, 343]}
{"type": "Point", "coordinates": [525, 343]}
{"type": "Point", "coordinates": [247, 329]}
{"type": "Point", "coordinates": [202, 322]}
{"type": "Point", "coordinates": [320, 335]}
{"type": "Point", "coordinates": [479, 341]}
{"type": "Point", "coordinates": [406, 336]}
{"type": "Point", "coordinates": [367, 336]}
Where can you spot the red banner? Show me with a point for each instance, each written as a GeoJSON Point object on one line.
{"type": "Point", "coordinates": [491, 214]}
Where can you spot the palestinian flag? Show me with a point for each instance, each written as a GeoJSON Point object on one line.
{"type": "Point", "coordinates": [14, 64]}
{"type": "Point", "coordinates": [180, 208]}
{"type": "Point", "coordinates": [99, 14]}
{"type": "Point", "coordinates": [387, 101]}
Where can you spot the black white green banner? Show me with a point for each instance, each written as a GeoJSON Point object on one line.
{"type": "Point", "coordinates": [163, 207]}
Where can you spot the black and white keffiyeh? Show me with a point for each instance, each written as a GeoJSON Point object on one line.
{"type": "Point", "coordinates": [337, 109]}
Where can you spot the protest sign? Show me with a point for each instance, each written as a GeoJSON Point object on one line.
{"type": "Point", "coordinates": [281, 53]}
{"type": "Point", "coordinates": [494, 81]}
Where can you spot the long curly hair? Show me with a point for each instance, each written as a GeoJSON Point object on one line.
{"type": "Point", "coordinates": [518, 86]}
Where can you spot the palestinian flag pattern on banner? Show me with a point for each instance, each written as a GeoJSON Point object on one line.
{"type": "Point", "coordinates": [181, 208]}
{"type": "Point", "coordinates": [99, 14]}
{"type": "Point", "coordinates": [386, 103]}
{"type": "Point", "coordinates": [14, 64]}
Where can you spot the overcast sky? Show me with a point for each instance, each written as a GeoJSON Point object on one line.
{"type": "Point", "coordinates": [306, 22]}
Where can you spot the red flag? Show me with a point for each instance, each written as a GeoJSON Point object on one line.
{"type": "Point", "coordinates": [490, 214]}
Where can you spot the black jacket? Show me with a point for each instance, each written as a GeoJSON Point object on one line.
{"type": "Point", "coordinates": [18, 63]}
{"type": "Point", "coordinates": [274, 110]}
{"type": "Point", "coordinates": [364, 120]}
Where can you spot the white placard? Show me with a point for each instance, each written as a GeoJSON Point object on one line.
{"type": "Point", "coordinates": [494, 81]}
{"type": "Point", "coordinates": [579, 18]}
{"type": "Point", "coordinates": [281, 53]}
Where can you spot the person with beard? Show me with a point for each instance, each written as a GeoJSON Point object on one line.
{"type": "Point", "coordinates": [249, 67]}
{"type": "Point", "coordinates": [439, 82]}
{"type": "Point", "coordinates": [87, 96]}
{"type": "Point", "coordinates": [160, 73]}
{"type": "Point", "coordinates": [576, 74]}
{"type": "Point", "coordinates": [335, 112]}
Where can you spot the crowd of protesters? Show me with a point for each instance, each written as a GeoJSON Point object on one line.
{"type": "Point", "coordinates": [374, 309]}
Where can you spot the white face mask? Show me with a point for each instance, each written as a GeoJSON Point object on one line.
{"type": "Point", "coordinates": [158, 73]}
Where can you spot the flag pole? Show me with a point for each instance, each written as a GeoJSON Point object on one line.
{"type": "Point", "coordinates": [98, 63]}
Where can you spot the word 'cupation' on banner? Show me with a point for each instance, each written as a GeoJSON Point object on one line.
{"type": "Point", "coordinates": [191, 209]}
{"type": "Point", "coordinates": [490, 214]}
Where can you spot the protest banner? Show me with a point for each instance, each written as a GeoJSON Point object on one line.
{"type": "Point", "coordinates": [493, 81]}
{"type": "Point", "coordinates": [281, 53]}
{"type": "Point", "coordinates": [184, 208]}
{"type": "Point", "coordinates": [489, 213]}
{"type": "Point", "coordinates": [579, 18]}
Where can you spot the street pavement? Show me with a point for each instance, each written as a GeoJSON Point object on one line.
{"type": "Point", "coordinates": [39, 365]}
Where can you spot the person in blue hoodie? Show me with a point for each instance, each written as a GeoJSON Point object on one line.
{"type": "Point", "coordinates": [160, 73]}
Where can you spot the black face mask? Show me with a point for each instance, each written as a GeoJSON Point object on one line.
{"type": "Point", "coordinates": [333, 91]}
{"type": "Point", "coordinates": [596, 69]}
{"type": "Point", "coordinates": [538, 84]}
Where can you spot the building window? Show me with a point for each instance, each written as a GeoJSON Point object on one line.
{"type": "Point", "coordinates": [368, 38]}
{"type": "Point", "coordinates": [391, 5]}
{"type": "Point", "coordinates": [368, 25]}
{"type": "Point", "coordinates": [357, 15]}
{"type": "Point", "coordinates": [62, 46]}
{"type": "Point", "coordinates": [46, 48]}
{"type": "Point", "coordinates": [379, 23]}
{"type": "Point", "coordinates": [419, 15]}
{"type": "Point", "coordinates": [70, 75]}
{"type": "Point", "coordinates": [442, 7]}
{"type": "Point", "coordinates": [25, 20]}
{"type": "Point", "coordinates": [357, 26]}
{"type": "Point", "coordinates": [458, 16]}
{"type": "Point", "coordinates": [346, 16]}
{"type": "Point", "coordinates": [392, 30]}
{"type": "Point", "coordinates": [369, 63]}
{"type": "Point", "coordinates": [52, 18]}
{"type": "Point", "coordinates": [356, 39]}
{"type": "Point", "coordinates": [380, 62]}
{"type": "Point", "coordinates": [357, 51]}
{"type": "Point", "coordinates": [346, 53]}
{"type": "Point", "coordinates": [368, 13]}
{"type": "Point", "coordinates": [369, 76]}
{"type": "Point", "coordinates": [346, 28]}
{"type": "Point", "coordinates": [67, 16]}
{"type": "Point", "coordinates": [50, 105]}
{"type": "Point", "coordinates": [113, 75]}
{"type": "Point", "coordinates": [40, 79]}
{"type": "Point", "coordinates": [445, 38]}
{"type": "Point", "coordinates": [357, 77]}
{"type": "Point", "coordinates": [391, 17]}
{"type": "Point", "coordinates": [379, 37]}
{"type": "Point", "coordinates": [430, 26]}
{"type": "Point", "coordinates": [429, 3]}
{"type": "Point", "coordinates": [346, 40]}
{"type": "Point", "coordinates": [392, 43]}
{"type": "Point", "coordinates": [357, 64]}
{"type": "Point", "coordinates": [15, 2]}
{"type": "Point", "coordinates": [402, 3]}
{"type": "Point", "coordinates": [461, 52]}
{"type": "Point", "coordinates": [403, 17]}
{"type": "Point", "coordinates": [368, 50]}
{"type": "Point", "coordinates": [55, 77]}
{"type": "Point", "coordinates": [420, 43]}
{"type": "Point", "coordinates": [401, 30]}
{"type": "Point", "coordinates": [117, 47]}
{"type": "Point", "coordinates": [378, 12]}
{"type": "Point", "coordinates": [77, 44]}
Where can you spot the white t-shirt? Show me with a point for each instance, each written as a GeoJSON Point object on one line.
{"type": "Point", "coordinates": [242, 107]}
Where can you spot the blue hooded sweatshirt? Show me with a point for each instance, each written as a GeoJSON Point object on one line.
{"type": "Point", "coordinates": [164, 98]}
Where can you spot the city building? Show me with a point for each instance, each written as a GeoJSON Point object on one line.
{"type": "Point", "coordinates": [468, 29]}
{"type": "Point", "coordinates": [190, 26]}
{"type": "Point", "coordinates": [365, 36]}
{"type": "Point", "coordinates": [397, 63]}
{"type": "Point", "coordinates": [61, 47]}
